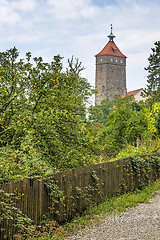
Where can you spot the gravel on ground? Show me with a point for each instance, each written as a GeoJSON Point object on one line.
{"type": "Point", "coordinates": [139, 223]}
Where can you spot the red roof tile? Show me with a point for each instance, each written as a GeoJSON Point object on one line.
{"type": "Point", "coordinates": [131, 93]}
{"type": "Point", "coordinates": [111, 49]}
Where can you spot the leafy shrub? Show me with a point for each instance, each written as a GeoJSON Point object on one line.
{"type": "Point", "coordinates": [16, 165]}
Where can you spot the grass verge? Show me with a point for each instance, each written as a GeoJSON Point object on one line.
{"type": "Point", "coordinates": [93, 215]}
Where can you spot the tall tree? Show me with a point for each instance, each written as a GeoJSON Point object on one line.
{"type": "Point", "coordinates": [153, 81]}
{"type": "Point", "coordinates": [43, 109]}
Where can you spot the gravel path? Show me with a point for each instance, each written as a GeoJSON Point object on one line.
{"type": "Point", "coordinates": [139, 223]}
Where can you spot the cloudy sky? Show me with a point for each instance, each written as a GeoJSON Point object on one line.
{"type": "Point", "coordinates": [80, 28]}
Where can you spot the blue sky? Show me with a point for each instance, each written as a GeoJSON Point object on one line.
{"type": "Point", "coordinates": [80, 28]}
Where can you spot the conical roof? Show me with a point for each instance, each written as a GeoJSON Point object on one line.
{"type": "Point", "coordinates": [111, 49]}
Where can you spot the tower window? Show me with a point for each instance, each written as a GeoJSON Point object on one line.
{"type": "Point", "coordinates": [103, 88]}
{"type": "Point", "coordinates": [101, 59]}
{"type": "Point", "coordinates": [111, 59]}
{"type": "Point", "coordinates": [116, 60]}
{"type": "Point", "coordinates": [121, 61]}
{"type": "Point", "coordinates": [114, 50]}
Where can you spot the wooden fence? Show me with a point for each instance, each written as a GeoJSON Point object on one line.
{"type": "Point", "coordinates": [148, 143]}
{"type": "Point", "coordinates": [66, 193]}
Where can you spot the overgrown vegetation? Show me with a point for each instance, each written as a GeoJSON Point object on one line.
{"type": "Point", "coordinates": [119, 124]}
{"type": "Point", "coordinates": [9, 213]}
{"type": "Point", "coordinates": [43, 123]}
{"type": "Point", "coordinates": [93, 215]}
{"type": "Point", "coordinates": [44, 126]}
{"type": "Point", "coordinates": [110, 206]}
{"type": "Point", "coordinates": [42, 115]}
{"type": "Point", "coordinates": [137, 173]}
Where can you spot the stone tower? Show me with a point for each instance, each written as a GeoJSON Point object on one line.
{"type": "Point", "coordinates": [110, 72]}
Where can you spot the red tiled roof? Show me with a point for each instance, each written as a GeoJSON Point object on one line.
{"type": "Point", "coordinates": [131, 93]}
{"type": "Point", "coordinates": [109, 50]}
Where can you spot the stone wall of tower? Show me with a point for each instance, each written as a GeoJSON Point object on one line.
{"type": "Point", "coordinates": [110, 77]}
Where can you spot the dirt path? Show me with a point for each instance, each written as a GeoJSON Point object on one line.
{"type": "Point", "coordinates": [139, 223]}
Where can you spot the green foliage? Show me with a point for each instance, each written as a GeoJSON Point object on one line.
{"type": "Point", "coordinates": [43, 117]}
{"type": "Point", "coordinates": [43, 125]}
{"type": "Point", "coordinates": [17, 165]}
{"type": "Point", "coordinates": [153, 70]}
{"type": "Point", "coordinates": [11, 214]}
{"type": "Point", "coordinates": [43, 110]}
{"type": "Point", "coordinates": [99, 113]}
{"type": "Point", "coordinates": [142, 169]}
{"type": "Point", "coordinates": [152, 99]}
{"type": "Point", "coordinates": [143, 149]}
{"type": "Point", "coordinates": [126, 122]}
{"type": "Point", "coordinates": [152, 114]}
{"type": "Point", "coordinates": [56, 196]}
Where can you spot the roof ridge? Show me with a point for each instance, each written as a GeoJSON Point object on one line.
{"type": "Point", "coordinates": [136, 90]}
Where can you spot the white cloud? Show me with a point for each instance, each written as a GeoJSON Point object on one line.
{"type": "Point", "coordinates": [7, 14]}
{"type": "Point", "coordinates": [71, 9]}
{"type": "Point", "coordinates": [24, 5]}
{"type": "Point", "coordinates": [11, 13]}
{"type": "Point", "coordinates": [23, 38]}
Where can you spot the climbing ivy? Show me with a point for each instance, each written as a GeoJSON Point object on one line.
{"type": "Point", "coordinates": [10, 214]}
{"type": "Point", "coordinates": [140, 170]}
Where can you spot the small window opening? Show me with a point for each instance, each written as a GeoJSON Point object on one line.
{"type": "Point", "coordinates": [114, 50]}
{"type": "Point", "coordinates": [103, 88]}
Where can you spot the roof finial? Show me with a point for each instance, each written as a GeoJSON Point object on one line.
{"type": "Point", "coordinates": [111, 36]}
{"type": "Point", "coordinates": [111, 28]}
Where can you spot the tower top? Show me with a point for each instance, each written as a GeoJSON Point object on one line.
{"type": "Point", "coordinates": [111, 35]}
{"type": "Point", "coordinates": [111, 48]}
